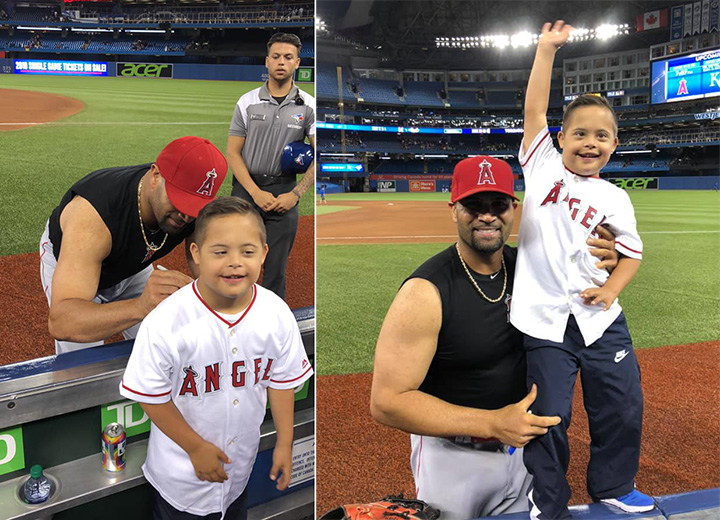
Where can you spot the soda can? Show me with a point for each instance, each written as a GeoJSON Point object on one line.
{"type": "Point", "coordinates": [113, 447]}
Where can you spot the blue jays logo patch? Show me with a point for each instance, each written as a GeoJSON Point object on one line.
{"type": "Point", "coordinates": [300, 159]}
{"type": "Point", "coordinates": [298, 118]}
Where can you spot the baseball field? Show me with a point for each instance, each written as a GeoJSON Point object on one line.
{"type": "Point", "coordinates": [369, 243]}
{"type": "Point", "coordinates": [59, 129]}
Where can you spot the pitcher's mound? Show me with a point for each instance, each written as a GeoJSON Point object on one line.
{"type": "Point", "coordinates": [23, 109]}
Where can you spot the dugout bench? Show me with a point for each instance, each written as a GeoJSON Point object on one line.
{"type": "Point", "coordinates": [53, 410]}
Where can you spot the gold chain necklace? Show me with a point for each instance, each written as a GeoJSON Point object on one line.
{"type": "Point", "coordinates": [472, 279]}
{"type": "Point", "coordinates": [150, 247]}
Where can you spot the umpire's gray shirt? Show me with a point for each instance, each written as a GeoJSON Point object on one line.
{"type": "Point", "coordinates": [267, 127]}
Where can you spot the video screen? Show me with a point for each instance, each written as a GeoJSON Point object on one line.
{"type": "Point", "coordinates": [693, 76]}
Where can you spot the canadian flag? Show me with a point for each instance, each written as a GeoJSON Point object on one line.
{"type": "Point", "coordinates": [652, 20]}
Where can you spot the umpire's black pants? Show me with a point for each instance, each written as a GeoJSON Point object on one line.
{"type": "Point", "coordinates": [612, 396]}
{"type": "Point", "coordinates": [281, 230]}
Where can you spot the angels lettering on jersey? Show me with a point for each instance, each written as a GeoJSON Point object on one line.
{"type": "Point", "coordinates": [212, 378]}
{"type": "Point", "coordinates": [578, 212]}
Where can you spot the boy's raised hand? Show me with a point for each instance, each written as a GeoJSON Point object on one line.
{"type": "Point", "coordinates": [557, 35]}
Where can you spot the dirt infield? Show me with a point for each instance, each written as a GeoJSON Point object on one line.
{"type": "Point", "coordinates": [28, 108]}
{"type": "Point", "coordinates": [23, 327]}
{"type": "Point", "coordinates": [377, 222]}
{"type": "Point", "coordinates": [359, 460]}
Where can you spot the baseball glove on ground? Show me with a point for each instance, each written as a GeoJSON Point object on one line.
{"type": "Point", "coordinates": [390, 507]}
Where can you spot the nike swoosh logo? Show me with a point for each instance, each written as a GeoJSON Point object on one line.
{"type": "Point", "coordinates": [492, 276]}
{"type": "Point", "coordinates": [621, 355]}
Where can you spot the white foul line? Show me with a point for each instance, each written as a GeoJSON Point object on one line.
{"type": "Point", "coordinates": [408, 237]}
{"type": "Point", "coordinates": [136, 123]}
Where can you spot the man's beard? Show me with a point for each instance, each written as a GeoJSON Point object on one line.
{"type": "Point", "coordinates": [484, 246]}
{"type": "Point", "coordinates": [167, 227]}
{"type": "Point", "coordinates": [480, 245]}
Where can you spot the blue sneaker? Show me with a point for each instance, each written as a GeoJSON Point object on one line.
{"type": "Point", "coordinates": [633, 502]}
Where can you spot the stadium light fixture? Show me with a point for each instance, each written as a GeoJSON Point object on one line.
{"type": "Point", "coordinates": [77, 29]}
{"type": "Point", "coordinates": [320, 25]}
{"type": "Point", "coordinates": [526, 39]}
{"type": "Point", "coordinates": [25, 28]}
{"type": "Point", "coordinates": [154, 31]}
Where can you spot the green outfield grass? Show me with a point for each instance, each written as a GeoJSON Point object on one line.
{"type": "Point", "coordinates": [674, 299]}
{"type": "Point", "coordinates": [125, 121]}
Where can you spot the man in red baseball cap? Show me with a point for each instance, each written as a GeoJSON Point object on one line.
{"type": "Point", "coordinates": [461, 393]}
{"type": "Point", "coordinates": [99, 243]}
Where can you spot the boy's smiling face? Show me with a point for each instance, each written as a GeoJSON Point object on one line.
{"type": "Point", "coordinates": [229, 257]}
{"type": "Point", "coordinates": [588, 140]}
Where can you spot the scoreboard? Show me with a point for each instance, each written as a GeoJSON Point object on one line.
{"type": "Point", "coordinates": [693, 76]}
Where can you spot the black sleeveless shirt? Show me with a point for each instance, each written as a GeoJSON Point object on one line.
{"type": "Point", "coordinates": [113, 192]}
{"type": "Point", "coordinates": [480, 361]}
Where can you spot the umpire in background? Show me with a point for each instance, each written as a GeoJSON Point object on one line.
{"type": "Point", "coordinates": [265, 120]}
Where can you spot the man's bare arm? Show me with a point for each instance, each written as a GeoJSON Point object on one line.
{"type": "Point", "coordinates": [74, 316]}
{"type": "Point", "coordinates": [408, 339]}
{"type": "Point", "coordinates": [308, 178]}
{"type": "Point", "coordinates": [603, 248]}
{"type": "Point", "coordinates": [287, 201]}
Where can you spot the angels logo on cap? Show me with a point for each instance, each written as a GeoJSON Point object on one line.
{"type": "Point", "coordinates": [208, 184]}
{"type": "Point", "coordinates": [481, 173]}
{"type": "Point", "coordinates": [486, 174]}
{"type": "Point", "coordinates": [185, 164]}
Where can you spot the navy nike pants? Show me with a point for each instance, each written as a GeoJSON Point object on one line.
{"type": "Point", "coordinates": [613, 399]}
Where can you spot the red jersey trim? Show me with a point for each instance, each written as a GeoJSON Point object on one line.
{"type": "Point", "coordinates": [291, 380]}
{"type": "Point", "coordinates": [618, 243]}
{"type": "Point", "coordinates": [230, 325]}
{"type": "Point", "coordinates": [122, 383]}
{"type": "Point", "coordinates": [535, 149]}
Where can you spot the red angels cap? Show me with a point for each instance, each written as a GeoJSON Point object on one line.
{"type": "Point", "coordinates": [481, 173]}
{"type": "Point", "coordinates": [193, 169]}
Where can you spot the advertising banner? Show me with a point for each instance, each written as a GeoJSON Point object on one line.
{"type": "Point", "coordinates": [12, 454]}
{"type": "Point", "coordinates": [60, 68]}
{"type": "Point", "coordinates": [422, 185]}
{"type": "Point", "coordinates": [145, 70]}
{"type": "Point", "coordinates": [636, 183]}
{"type": "Point", "coordinates": [386, 186]}
{"type": "Point", "coordinates": [305, 75]}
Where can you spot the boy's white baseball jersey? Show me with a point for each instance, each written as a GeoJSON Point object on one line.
{"type": "Point", "coordinates": [217, 374]}
{"type": "Point", "coordinates": [559, 213]}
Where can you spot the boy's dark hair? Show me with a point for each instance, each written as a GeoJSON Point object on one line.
{"type": "Point", "coordinates": [284, 38]}
{"type": "Point", "coordinates": [226, 206]}
{"type": "Point", "coordinates": [588, 100]}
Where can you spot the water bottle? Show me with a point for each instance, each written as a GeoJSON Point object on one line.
{"type": "Point", "coordinates": [37, 487]}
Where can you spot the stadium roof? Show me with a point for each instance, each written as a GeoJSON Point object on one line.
{"type": "Point", "coordinates": [401, 33]}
